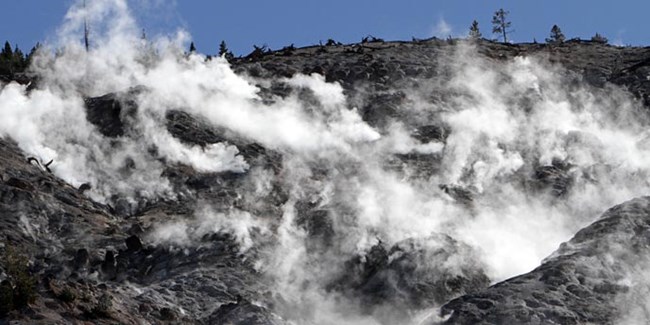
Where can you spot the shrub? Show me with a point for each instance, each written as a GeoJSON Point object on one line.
{"type": "Point", "coordinates": [6, 297]}
{"type": "Point", "coordinates": [67, 295]}
{"type": "Point", "coordinates": [104, 305]}
{"type": "Point", "coordinates": [19, 290]}
{"type": "Point", "coordinates": [599, 39]}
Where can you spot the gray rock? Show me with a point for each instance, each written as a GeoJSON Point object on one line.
{"type": "Point", "coordinates": [578, 284]}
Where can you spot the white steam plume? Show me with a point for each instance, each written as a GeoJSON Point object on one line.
{"type": "Point", "coordinates": [505, 120]}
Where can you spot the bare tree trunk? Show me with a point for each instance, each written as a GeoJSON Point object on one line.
{"type": "Point", "coordinates": [86, 41]}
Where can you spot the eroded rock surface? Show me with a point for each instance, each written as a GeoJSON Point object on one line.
{"type": "Point", "coordinates": [102, 263]}
{"type": "Point", "coordinates": [587, 281]}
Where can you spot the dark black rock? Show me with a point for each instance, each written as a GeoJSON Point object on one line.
{"type": "Point", "coordinates": [167, 314]}
{"type": "Point", "coordinates": [109, 266]}
{"type": "Point", "coordinates": [109, 113]}
{"type": "Point", "coordinates": [19, 183]}
{"type": "Point", "coordinates": [84, 187]}
{"type": "Point", "coordinates": [81, 258]}
{"type": "Point", "coordinates": [133, 243]}
{"type": "Point", "coordinates": [189, 129]}
{"type": "Point", "coordinates": [136, 229]}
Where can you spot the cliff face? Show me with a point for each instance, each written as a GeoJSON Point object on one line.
{"type": "Point", "coordinates": [374, 183]}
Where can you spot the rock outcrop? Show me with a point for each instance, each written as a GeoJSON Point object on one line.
{"type": "Point", "coordinates": [589, 280]}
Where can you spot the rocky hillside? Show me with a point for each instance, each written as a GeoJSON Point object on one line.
{"type": "Point", "coordinates": [411, 193]}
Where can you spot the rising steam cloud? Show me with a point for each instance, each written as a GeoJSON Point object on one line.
{"type": "Point", "coordinates": [505, 119]}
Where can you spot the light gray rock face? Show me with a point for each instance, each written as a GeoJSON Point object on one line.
{"type": "Point", "coordinates": [589, 280]}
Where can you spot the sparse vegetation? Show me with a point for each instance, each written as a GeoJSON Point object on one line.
{"type": "Point", "coordinates": [331, 42]}
{"type": "Point", "coordinates": [67, 295]}
{"type": "Point", "coordinates": [259, 51]}
{"type": "Point", "coordinates": [6, 297]}
{"type": "Point", "coordinates": [501, 25]}
{"type": "Point", "coordinates": [287, 50]}
{"type": "Point", "coordinates": [371, 39]}
{"type": "Point", "coordinates": [103, 307]}
{"type": "Point", "coordinates": [599, 39]}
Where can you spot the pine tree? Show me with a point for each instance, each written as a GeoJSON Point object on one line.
{"type": "Point", "coordinates": [474, 32]}
{"type": "Point", "coordinates": [223, 51]}
{"type": "Point", "coordinates": [30, 57]}
{"type": "Point", "coordinates": [6, 60]}
{"type": "Point", "coordinates": [18, 60]}
{"type": "Point", "coordinates": [556, 35]}
{"type": "Point", "coordinates": [7, 53]}
{"type": "Point", "coordinates": [192, 48]}
{"type": "Point", "coordinates": [500, 25]}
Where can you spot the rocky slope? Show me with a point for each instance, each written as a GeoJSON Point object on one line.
{"type": "Point", "coordinates": [109, 262]}
{"type": "Point", "coordinates": [583, 282]}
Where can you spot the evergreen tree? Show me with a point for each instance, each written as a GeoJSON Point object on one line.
{"type": "Point", "coordinates": [30, 57]}
{"type": "Point", "coordinates": [500, 24]}
{"type": "Point", "coordinates": [19, 61]}
{"type": "Point", "coordinates": [556, 35]}
{"type": "Point", "coordinates": [7, 60]}
{"type": "Point", "coordinates": [7, 53]}
{"type": "Point", "coordinates": [474, 32]}
{"type": "Point", "coordinates": [223, 51]}
{"type": "Point", "coordinates": [192, 48]}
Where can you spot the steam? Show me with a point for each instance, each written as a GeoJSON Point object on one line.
{"type": "Point", "coordinates": [442, 28]}
{"type": "Point", "coordinates": [505, 118]}
{"type": "Point", "coordinates": [238, 223]}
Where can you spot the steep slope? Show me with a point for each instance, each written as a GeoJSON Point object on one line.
{"type": "Point", "coordinates": [595, 278]}
{"type": "Point", "coordinates": [408, 175]}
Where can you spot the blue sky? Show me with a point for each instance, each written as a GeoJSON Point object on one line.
{"type": "Point", "coordinates": [242, 23]}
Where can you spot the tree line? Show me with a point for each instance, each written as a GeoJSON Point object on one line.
{"type": "Point", "coordinates": [13, 60]}
{"type": "Point", "coordinates": [501, 27]}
